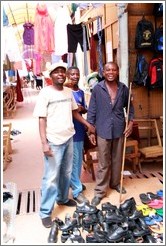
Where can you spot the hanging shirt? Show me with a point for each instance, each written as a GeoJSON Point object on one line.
{"type": "Point", "coordinates": [60, 30]}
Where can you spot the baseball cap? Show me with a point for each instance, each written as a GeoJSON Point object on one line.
{"type": "Point", "coordinates": [56, 65]}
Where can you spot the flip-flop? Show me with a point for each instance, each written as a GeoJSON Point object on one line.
{"type": "Point", "coordinates": [152, 196]}
{"type": "Point", "coordinates": [144, 198]}
{"type": "Point", "coordinates": [157, 218]}
{"type": "Point", "coordinates": [160, 193]}
{"type": "Point", "coordinates": [157, 228]}
{"type": "Point", "coordinates": [149, 221]}
{"type": "Point", "coordinates": [146, 210]}
{"type": "Point", "coordinates": [159, 211]}
{"type": "Point", "coordinates": [157, 203]}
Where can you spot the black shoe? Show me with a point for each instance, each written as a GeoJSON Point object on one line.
{"type": "Point", "coordinates": [117, 188]}
{"type": "Point", "coordinates": [90, 238]}
{"type": "Point", "coordinates": [113, 217]}
{"type": "Point", "coordinates": [83, 187]}
{"type": "Point", "coordinates": [64, 236]}
{"type": "Point", "coordinates": [58, 221]}
{"type": "Point", "coordinates": [69, 226]}
{"type": "Point", "coordinates": [69, 203]}
{"type": "Point", "coordinates": [53, 235]}
{"type": "Point", "coordinates": [108, 206]}
{"type": "Point", "coordinates": [117, 235]}
{"type": "Point", "coordinates": [96, 200]}
{"type": "Point", "coordinates": [128, 204]}
{"type": "Point", "coordinates": [81, 198]}
{"type": "Point", "coordinates": [86, 208]}
{"type": "Point", "coordinates": [47, 222]}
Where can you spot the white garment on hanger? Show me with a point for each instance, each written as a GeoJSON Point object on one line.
{"type": "Point", "coordinates": [10, 45]}
{"type": "Point", "coordinates": [60, 30]}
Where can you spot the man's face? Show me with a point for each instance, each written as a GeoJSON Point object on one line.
{"type": "Point", "coordinates": [73, 76]}
{"type": "Point", "coordinates": [110, 72]}
{"type": "Point", "coordinates": [58, 75]}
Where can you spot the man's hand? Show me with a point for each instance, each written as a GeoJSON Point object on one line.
{"type": "Point", "coordinates": [46, 150]}
{"type": "Point", "coordinates": [129, 129]}
{"type": "Point", "coordinates": [92, 138]}
{"type": "Point", "coordinates": [91, 128]}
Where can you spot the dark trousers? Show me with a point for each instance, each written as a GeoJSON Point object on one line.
{"type": "Point", "coordinates": [109, 165]}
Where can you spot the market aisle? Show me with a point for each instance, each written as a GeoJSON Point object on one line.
{"type": "Point", "coordinates": [27, 166]}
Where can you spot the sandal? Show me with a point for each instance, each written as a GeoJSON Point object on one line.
{"type": "Point", "coordinates": [160, 193]}
{"type": "Point", "coordinates": [159, 211]}
{"type": "Point", "coordinates": [144, 198]}
{"type": "Point", "coordinates": [152, 196]}
{"type": "Point", "coordinates": [157, 218]}
{"type": "Point", "coordinates": [146, 210]}
{"type": "Point", "coordinates": [157, 203]}
{"type": "Point", "coordinates": [157, 228]}
{"type": "Point", "coordinates": [149, 221]}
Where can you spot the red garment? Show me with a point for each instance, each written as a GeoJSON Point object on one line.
{"type": "Point", "coordinates": [93, 59]}
{"type": "Point", "coordinates": [18, 89]}
{"type": "Point", "coordinates": [43, 30]}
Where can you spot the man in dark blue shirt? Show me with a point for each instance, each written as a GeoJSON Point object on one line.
{"type": "Point", "coordinates": [108, 100]}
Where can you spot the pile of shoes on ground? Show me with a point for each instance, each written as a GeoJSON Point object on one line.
{"type": "Point", "coordinates": [126, 224]}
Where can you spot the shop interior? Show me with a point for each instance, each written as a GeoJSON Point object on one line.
{"type": "Point", "coordinates": [108, 34]}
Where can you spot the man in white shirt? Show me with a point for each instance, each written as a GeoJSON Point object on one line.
{"type": "Point", "coordinates": [55, 108]}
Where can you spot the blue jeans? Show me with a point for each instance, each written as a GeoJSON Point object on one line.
{"type": "Point", "coordinates": [56, 177]}
{"type": "Point", "coordinates": [76, 184]}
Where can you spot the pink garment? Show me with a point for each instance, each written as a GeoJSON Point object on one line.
{"type": "Point", "coordinates": [43, 30]}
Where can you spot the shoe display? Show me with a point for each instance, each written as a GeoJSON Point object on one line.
{"type": "Point", "coordinates": [81, 198]}
{"type": "Point", "coordinates": [53, 235]}
{"type": "Point", "coordinates": [117, 188]}
{"type": "Point", "coordinates": [69, 203]}
{"type": "Point", "coordinates": [47, 222]}
{"type": "Point", "coordinates": [85, 208]}
{"type": "Point", "coordinates": [95, 201]}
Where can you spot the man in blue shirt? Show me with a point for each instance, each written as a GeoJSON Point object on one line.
{"type": "Point", "coordinates": [73, 75]}
{"type": "Point", "coordinates": [106, 113]}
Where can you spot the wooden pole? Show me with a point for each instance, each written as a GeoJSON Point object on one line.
{"type": "Point", "coordinates": [124, 145]}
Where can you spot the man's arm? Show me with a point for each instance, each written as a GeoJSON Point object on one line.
{"type": "Point", "coordinates": [42, 130]}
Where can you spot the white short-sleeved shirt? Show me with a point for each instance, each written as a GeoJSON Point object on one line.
{"type": "Point", "coordinates": [57, 107]}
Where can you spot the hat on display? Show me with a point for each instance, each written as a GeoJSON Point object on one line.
{"type": "Point", "coordinates": [92, 79]}
{"type": "Point", "coordinates": [56, 65]}
{"type": "Point", "coordinates": [91, 75]}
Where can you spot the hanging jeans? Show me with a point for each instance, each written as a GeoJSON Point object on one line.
{"type": "Point", "coordinates": [56, 178]}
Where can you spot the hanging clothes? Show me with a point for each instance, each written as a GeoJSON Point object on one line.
{"type": "Point", "coordinates": [93, 59]}
{"type": "Point", "coordinates": [99, 48]}
{"type": "Point", "coordinates": [28, 34]}
{"type": "Point", "coordinates": [18, 89]}
{"type": "Point", "coordinates": [60, 30]}
{"type": "Point", "coordinates": [43, 30]}
{"type": "Point", "coordinates": [5, 19]}
{"type": "Point", "coordinates": [75, 35]}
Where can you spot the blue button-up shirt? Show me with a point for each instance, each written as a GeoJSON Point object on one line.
{"type": "Point", "coordinates": [109, 119]}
